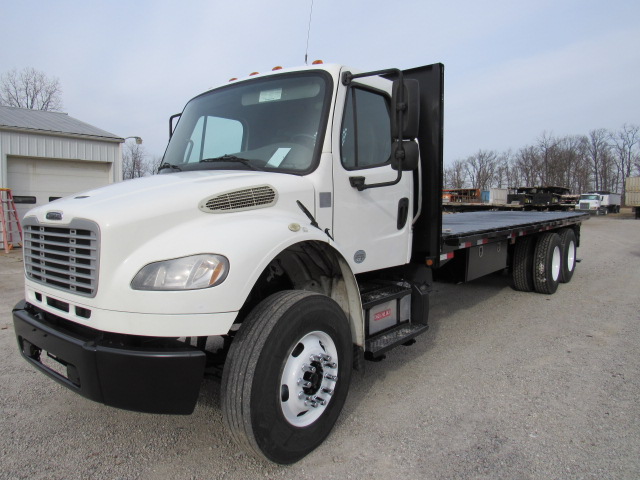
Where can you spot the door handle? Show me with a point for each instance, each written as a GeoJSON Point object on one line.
{"type": "Point", "coordinates": [403, 212]}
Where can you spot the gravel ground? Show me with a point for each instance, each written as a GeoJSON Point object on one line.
{"type": "Point", "coordinates": [505, 385]}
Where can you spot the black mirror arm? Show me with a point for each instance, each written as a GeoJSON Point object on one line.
{"type": "Point", "coordinates": [177, 115]}
{"type": "Point", "coordinates": [359, 182]}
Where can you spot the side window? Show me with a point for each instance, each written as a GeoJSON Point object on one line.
{"type": "Point", "coordinates": [365, 138]}
{"type": "Point", "coordinates": [213, 137]}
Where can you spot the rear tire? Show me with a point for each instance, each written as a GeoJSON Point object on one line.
{"type": "Point", "coordinates": [547, 263]}
{"type": "Point", "coordinates": [522, 264]}
{"type": "Point", "coordinates": [568, 248]}
{"type": "Point", "coordinates": [273, 407]}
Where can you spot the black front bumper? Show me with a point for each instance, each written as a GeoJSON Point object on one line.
{"type": "Point", "coordinates": [134, 373]}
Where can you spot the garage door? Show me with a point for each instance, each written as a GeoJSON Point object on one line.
{"type": "Point", "coordinates": [36, 181]}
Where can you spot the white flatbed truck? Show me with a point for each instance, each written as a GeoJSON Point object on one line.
{"type": "Point", "coordinates": [293, 232]}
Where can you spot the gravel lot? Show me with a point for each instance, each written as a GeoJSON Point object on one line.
{"type": "Point", "coordinates": [505, 385]}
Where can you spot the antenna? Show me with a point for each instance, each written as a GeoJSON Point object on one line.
{"type": "Point", "coordinates": [308, 33]}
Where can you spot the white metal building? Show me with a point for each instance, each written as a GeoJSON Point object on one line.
{"type": "Point", "coordinates": [48, 155]}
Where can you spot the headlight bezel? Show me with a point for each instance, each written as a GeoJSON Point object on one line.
{"type": "Point", "coordinates": [191, 272]}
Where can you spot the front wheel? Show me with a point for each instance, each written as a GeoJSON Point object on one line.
{"type": "Point", "coordinates": [287, 375]}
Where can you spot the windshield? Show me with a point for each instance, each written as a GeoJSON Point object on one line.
{"type": "Point", "coordinates": [273, 124]}
{"type": "Point", "coordinates": [589, 197]}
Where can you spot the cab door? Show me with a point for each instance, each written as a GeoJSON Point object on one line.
{"type": "Point", "coordinates": [371, 227]}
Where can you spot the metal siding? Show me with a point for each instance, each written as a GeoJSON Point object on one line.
{"type": "Point", "coordinates": [633, 184]}
{"type": "Point", "coordinates": [52, 147]}
{"type": "Point", "coordinates": [20, 144]}
{"type": "Point", "coordinates": [632, 199]}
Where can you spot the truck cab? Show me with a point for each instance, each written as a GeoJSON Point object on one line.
{"type": "Point", "coordinates": [599, 203]}
{"type": "Point", "coordinates": [589, 202]}
{"type": "Point", "coordinates": [278, 189]}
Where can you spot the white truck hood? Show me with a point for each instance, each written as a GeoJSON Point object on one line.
{"type": "Point", "coordinates": [144, 200]}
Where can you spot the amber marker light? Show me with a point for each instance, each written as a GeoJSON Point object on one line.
{"type": "Point", "coordinates": [233, 79]}
{"type": "Point", "coordinates": [317, 62]}
{"type": "Point", "coordinates": [253, 73]}
{"type": "Point", "coordinates": [217, 273]}
{"type": "Point", "coordinates": [276, 68]}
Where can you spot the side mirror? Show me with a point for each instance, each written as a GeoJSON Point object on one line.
{"type": "Point", "coordinates": [408, 106]}
{"type": "Point", "coordinates": [405, 155]}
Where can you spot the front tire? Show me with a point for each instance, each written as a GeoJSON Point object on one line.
{"type": "Point", "coordinates": [287, 375]}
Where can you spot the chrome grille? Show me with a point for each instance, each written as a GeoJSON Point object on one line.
{"type": "Point", "coordinates": [65, 258]}
{"type": "Point", "coordinates": [584, 206]}
{"type": "Point", "coordinates": [245, 199]}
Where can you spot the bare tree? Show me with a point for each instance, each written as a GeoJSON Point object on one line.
{"type": "Point", "coordinates": [30, 88]}
{"type": "Point", "coordinates": [625, 145]}
{"type": "Point", "coordinates": [481, 168]}
{"type": "Point", "coordinates": [455, 175]}
{"type": "Point", "coordinates": [597, 148]}
{"type": "Point", "coordinates": [600, 160]}
{"type": "Point", "coordinates": [548, 150]}
{"type": "Point", "coordinates": [503, 172]}
{"type": "Point", "coordinates": [528, 165]}
{"type": "Point", "coordinates": [581, 178]}
{"type": "Point", "coordinates": [569, 159]}
{"type": "Point", "coordinates": [135, 162]}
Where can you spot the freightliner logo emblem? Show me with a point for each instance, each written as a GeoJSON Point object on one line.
{"type": "Point", "coordinates": [54, 216]}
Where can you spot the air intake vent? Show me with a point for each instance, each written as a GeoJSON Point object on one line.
{"type": "Point", "coordinates": [240, 200]}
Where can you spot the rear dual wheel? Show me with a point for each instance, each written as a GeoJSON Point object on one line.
{"type": "Point", "coordinates": [522, 264]}
{"type": "Point", "coordinates": [287, 375]}
{"type": "Point", "coordinates": [541, 262]}
{"type": "Point", "coordinates": [547, 263]}
{"type": "Point", "coordinates": [568, 244]}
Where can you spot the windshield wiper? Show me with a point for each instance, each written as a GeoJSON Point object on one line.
{"type": "Point", "coordinates": [168, 165]}
{"type": "Point", "coordinates": [232, 158]}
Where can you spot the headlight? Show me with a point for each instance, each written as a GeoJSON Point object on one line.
{"type": "Point", "coordinates": [186, 273]}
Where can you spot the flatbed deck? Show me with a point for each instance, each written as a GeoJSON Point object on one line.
{"type": "Point", "coordinates": [464, 230]}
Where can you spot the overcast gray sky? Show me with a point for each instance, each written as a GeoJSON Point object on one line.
{"type": "Point", "coordinates": [513, 69]}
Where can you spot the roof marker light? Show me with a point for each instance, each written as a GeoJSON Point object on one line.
{"type": "Point", "coordinates": [253, 73]}
{"type": "Point", "coordinates": [317, 62]}
{"type": "Point", "coordinates": [233, 79]}
{"type": "Point", "coordinates": [276, 68]}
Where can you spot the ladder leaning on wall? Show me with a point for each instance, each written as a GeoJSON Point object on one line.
{"type": "Point", "coordinates": [11, 228]}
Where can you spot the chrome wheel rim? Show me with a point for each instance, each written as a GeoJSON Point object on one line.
{"type": "Point", "coordinates": [308, 378]}
{"type": "Point", "coordinates": [571, 256]}
{"type": "Point", "coordinates": [555, 264]}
